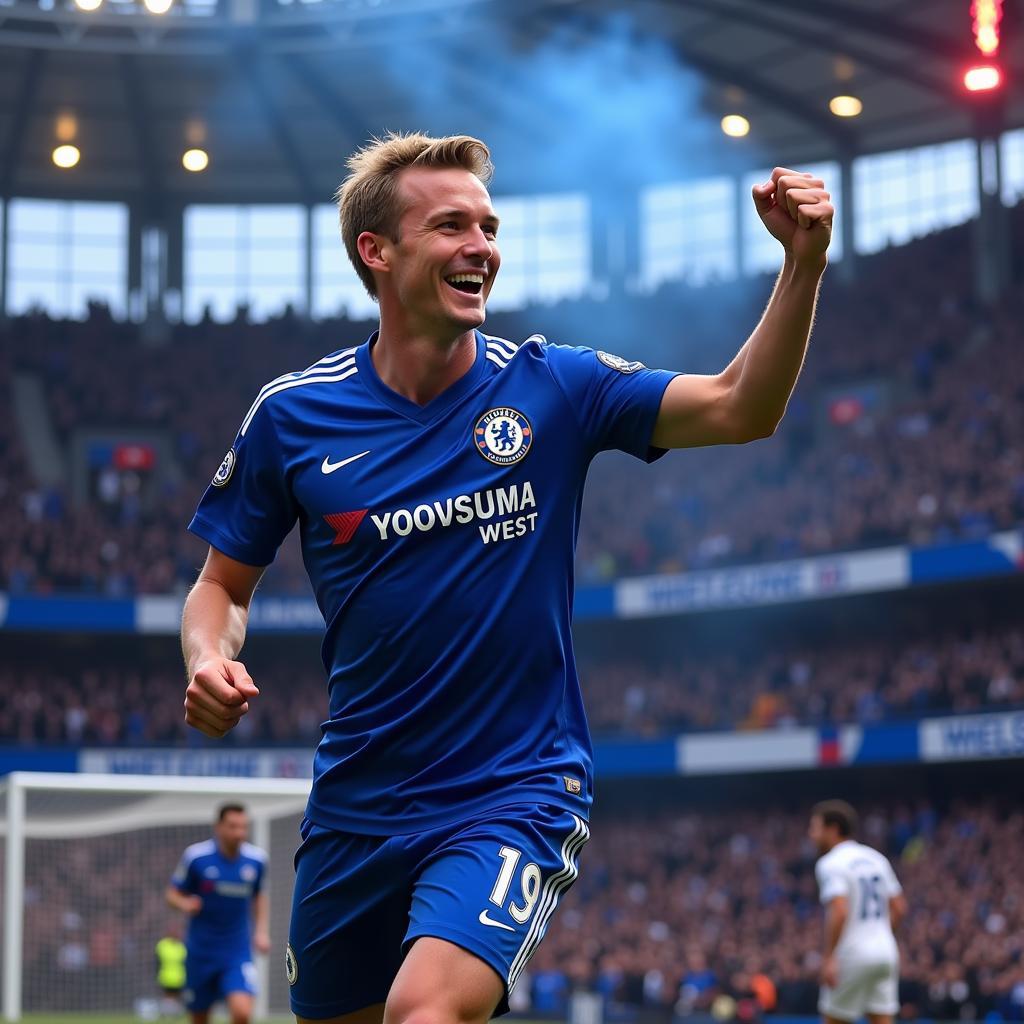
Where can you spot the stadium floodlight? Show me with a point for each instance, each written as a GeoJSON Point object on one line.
{"type": "Point", "coordinates": [66, 156]}
{"type": "Point", "coordinates": [97, 851]}
{"type": "Point", "coordinates": [158, 6]}
{"type": "Point", "coordinates": [735, 125]}
{"type": "Point", "coordinates": [845, 106]}
{"type": "Point", "coordinates": [982, 78]}
{"type": "Point", "coordinates": [195, 160]}
{"type": "Point", "coordinates": [88, 5]}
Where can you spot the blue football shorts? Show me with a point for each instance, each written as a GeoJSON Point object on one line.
{"type": "Point", "coordinates": [209, 982]}
{"type": "Point", "coordinates": [489, 885]}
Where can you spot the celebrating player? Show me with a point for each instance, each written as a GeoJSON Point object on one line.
{"type": "Point", "coordinates": [437, 474]}
{"type": "Point", "coordinates": [219, 884]}
{"type": "Point", "coordinates": [863, 902]}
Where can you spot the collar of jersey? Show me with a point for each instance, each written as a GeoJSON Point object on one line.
{"type": "Point", "coordinates": [436, 407]}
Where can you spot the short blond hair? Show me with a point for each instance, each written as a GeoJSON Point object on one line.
{"type": "Point", "coordinates": [368, 198]}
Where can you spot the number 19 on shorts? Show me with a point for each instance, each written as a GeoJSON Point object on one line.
{"type": "Point", "coordinates": [529, 885]}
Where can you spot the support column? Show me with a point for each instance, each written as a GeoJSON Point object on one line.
{"type": "Point", "coordinates": [308, 295]}
{"type": "Point", "coordinates": [261, 1009]}
{"type": "Point", "coordinates": [14, 897]}
{"type": "Point", "coordinates": [174, 296]}
{"type": "Point", "coordinates": [845, 217]}
{"type": "Point", "coordinates": [5, 248]}
{"type": "Point", "coordinates": [991, 235]}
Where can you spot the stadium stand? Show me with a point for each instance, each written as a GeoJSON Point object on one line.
{"type": "Point", "coordinates": [944, 659]}
{"type": "Point", "coordinates": [899, 431]}
{"type": "Point", "coordinates": [676, 908]}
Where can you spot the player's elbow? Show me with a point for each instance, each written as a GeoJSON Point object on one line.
{"type": "Point", "coordinates": [749, 421]}
{"type": "Point", "coordinates": [753, 428]}
{"type": "Point", "coordinates": [171, 898]}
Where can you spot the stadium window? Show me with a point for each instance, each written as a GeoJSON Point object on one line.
{"type": "Point", "coordinates": [63, 255]}
{"type": "Point", "coordinates": [244, 255]}
{"type": "Point", "coordinates": [761, 251]}
{"type": "Point", "coordinates": [545, 249]}
{"type": "Point", "coordinates": [337, 290]}
{"type": "Point", "coordinates": [688, 232]}
{"type": "Point", "coordinates": [925, 189]}
{"type": "Point", "coordinates": [1012, 157]}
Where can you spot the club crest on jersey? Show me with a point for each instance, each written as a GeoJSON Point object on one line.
{"type": "Point", "coordinates": [291, 966]}
{"type": "Point", "coordinates": [503, 436]}
{"type": "Point", "coordinates": [618, 363]}
{"type": "Point", "coordinates": [225, 469]}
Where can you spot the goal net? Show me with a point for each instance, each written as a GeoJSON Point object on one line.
{"type": "Point", "coordinates": [86, 861]}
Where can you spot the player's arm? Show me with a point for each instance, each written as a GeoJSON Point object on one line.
{"type": "Point", "coordinates": [747, 400]}
{"type": "Point", "coordinates": [897, 910]}
{"type": "Point", "coordinates": [212, 633]}
{"type": "Point", "coordinates": [186, 902]}
{"type": "Point", "coordinates": [261, 922]}
{"type": "Point", "coordinates": [836, 912]}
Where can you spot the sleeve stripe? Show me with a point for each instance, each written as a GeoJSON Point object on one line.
{"type": "Point", "coordinates": [325, 364]}
{"type": "Point", "coordinates": [348, 369]}
{"type": "Point", "coordinates": [501, 346]}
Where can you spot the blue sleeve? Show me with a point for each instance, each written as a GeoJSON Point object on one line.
{"type": "Point", "coordinates": [183, 878]}
{"type": "Point", "coordinates": [248, 509]}
{"type": "Point", "coordinates": [616, 401]}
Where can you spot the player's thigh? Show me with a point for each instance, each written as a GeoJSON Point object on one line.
{"type": "Point", "coordinates": [350, 912]}
{"type": "Point", "coordinates": [488, 890]}
{"type": "Point", "coordinates": [442, 983]}
{"type": "Point", "coordinates": [883, 1001]}
{"type": "Point", "coordinates": [368, 1015]}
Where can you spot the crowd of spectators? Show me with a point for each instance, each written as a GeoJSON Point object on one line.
{"type": "Point", "coordinates": [676, 910]}
{"type": "Point", "coordinates": [904, 428]}
{"type": "Point", "coordinates": [95, 698]}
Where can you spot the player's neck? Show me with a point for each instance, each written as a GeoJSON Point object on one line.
{"type": "Point", "coordinates": [228, 853]}
{"type": "Point", "coordinates": [420, 366]}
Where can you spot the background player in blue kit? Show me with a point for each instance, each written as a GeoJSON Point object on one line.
{"type": "Point", "coordinates": [219, 884]}
{"type": "Point", "coordinates": [437, 476]}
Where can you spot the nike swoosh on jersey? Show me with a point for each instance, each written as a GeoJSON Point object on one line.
{"type": "Point", "coordinates": [486, 918]}
{"type": "Point", "coordinates": [327, 467]}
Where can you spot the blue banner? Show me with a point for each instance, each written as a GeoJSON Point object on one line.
{"type": "Point", "coordinates": [804, 579]}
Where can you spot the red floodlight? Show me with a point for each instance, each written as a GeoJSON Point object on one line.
{"type": "Point", "coordinates": [983, 78]}
{"type": "Point", "coordinates": [985, 18]}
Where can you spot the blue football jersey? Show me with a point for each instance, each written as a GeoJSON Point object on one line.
{"type": "Point", "coordinates": [221, 930]}
{"type": "Point", "coordinates": [439, 540]}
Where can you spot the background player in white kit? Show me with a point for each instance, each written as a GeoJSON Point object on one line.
{"type": "Point", "coordinates": [863, 903]}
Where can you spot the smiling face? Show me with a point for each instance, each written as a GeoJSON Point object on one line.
{"type": "Point", "coordinates": [442, 268]}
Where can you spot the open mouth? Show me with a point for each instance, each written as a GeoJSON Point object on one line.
{"type": "Point", "coordinates": [468, 284]}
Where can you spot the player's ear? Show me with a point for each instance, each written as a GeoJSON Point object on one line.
{"type": "Point", "coordinates": [373, 250]}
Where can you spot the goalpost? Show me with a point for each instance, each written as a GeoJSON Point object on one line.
{"type": "Point", "coordinates": [86, 860]}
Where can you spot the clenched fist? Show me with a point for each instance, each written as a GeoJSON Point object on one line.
{"type": "Point", "coordinates": [797, 211]}
{"type": "Point", "coordinates": [217, 696]}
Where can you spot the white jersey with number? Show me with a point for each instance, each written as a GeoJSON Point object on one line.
{"type": "Point", "coordinates": [868, 882]}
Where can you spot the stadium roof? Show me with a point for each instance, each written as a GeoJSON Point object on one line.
{"type": "Point", "coordinates": [569, 92]}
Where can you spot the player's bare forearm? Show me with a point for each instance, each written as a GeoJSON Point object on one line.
{"type": "Point", "coordinates": [835, 920]}
{"type": "Point", "coordinates": [213, 624]}
{"type": "Point", "coordinates": [897, 910]}
{"type": "Point", "coordinates": [748, 399]}
{"type": "Point", "coordinates": [212, 633]}
{"type": "Point", "coordinates": [178, 900]}
{"type": "Point", "coordinates": [762, 376]}
{"type": "Point", "coordinates": [261, 922]}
